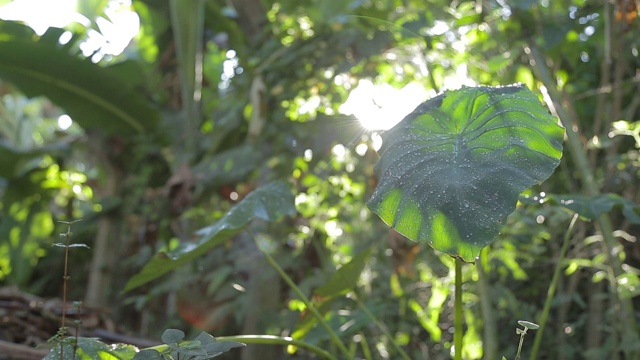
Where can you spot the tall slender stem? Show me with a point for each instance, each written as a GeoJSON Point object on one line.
{"type": "Point", "coordinates": [457, 325]}
{"type": "Point", "coordinates": [278, 340]}
{"type": "Point", "coordinates": [542, 320]}
{"type": "Point", "coordinates": [65, 277]}
{"type": "Point", "coordinates": [382, 328]}
{"type": "Point", "coordinates": [522, 334]}
{"type": "Point", "coordinates": [334, 338]}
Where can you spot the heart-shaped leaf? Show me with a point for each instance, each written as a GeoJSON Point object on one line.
{"type": "Point", "coordinates": [172, 336]}
{"type": "Point", "coordinates": [451, 171]}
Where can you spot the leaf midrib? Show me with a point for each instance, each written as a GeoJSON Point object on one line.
{"type": "Point", "coordinates": [79, 91]}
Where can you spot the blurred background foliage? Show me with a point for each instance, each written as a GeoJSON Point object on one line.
{"type": "Point", "coordinates": [151, 140]}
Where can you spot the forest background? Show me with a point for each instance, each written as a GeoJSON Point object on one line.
{"type": "Point", "coordinates": [152, 141]}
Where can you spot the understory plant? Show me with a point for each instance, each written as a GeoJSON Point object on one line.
{"type": "Point", "coordinates": [452, 171]}
{"type": "Point", "coordinates": [449, 174]}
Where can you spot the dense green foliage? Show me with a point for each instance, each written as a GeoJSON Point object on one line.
{"type": "Point", "coordinates": [200, 123]}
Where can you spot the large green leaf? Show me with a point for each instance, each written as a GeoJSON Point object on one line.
{"type": "Point", "coordinates": [90, 94]}
{"type": "Point", "coordinates": [452, 170]}
{"type": "Point", "coordinates": [270, 203]}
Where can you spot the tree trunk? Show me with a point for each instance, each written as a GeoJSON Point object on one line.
{"type": "Point", "coordinates": [104, 247]}
{"type": "Point", "coordinates": [594, 330]}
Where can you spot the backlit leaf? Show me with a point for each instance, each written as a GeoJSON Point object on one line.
{"type": "Point", "coordinates": [451, 171]}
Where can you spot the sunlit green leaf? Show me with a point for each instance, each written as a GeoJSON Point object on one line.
{"type": "Point", "coordinates": [429, 323]}
{"type": "Point", "coordinates": [628, 285]}
{"type": "Point", "coordinates": [452, 170]}
{"type": "Point", "coordinates": [270, 203]}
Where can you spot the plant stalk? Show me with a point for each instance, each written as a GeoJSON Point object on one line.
{"type": "Point", "coordinates": [384, 330]}
{"type": "Point", "coordinates": [65, 278]}
{"type": "Point", "coordinates": [334, 337]}
{"type": "Point", "coordinates": [542, 319]}
{"type": "Point", "coordinates": [457, 325]}
{"type": "Point", "coordinates": [522, 334]}
{"type": "Point", "coordinates": [365, 347]}
{"type": "Point", "coordinates": [278, 340]}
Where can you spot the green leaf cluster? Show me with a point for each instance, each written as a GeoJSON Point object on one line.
{"type": "Point", "coordinates": [202, 347]}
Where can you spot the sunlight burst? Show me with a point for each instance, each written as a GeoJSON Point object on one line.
{"type": "Point", "coordinates": [49, 14]}
{"type": "Point", "coordinates": [380, 107]}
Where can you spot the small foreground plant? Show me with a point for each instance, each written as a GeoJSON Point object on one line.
{"type": "Point", "coordinates": [526, 325]}
{"type": "Point", "coordinates": [203, 347]}
{"type": "Point", "coordinates": [60, 338]}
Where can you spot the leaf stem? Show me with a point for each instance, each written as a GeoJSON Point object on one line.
{"type": "Point", "coordinates": [522, 334]}
{"type": "Point", "coordinates": [278, 340]}
{"type": "Point", "coordinates": [542, 320]}
{"type": "Point", "coordinates": [65, 277]}
{"type": "Point", "coordinates": [382, 328]}
{"type": "Point", "coordinates": [457, 325]}
{"type": "Point", "coordinates": [334, 337]}
{"type": "Point", "coordinates": [365, 347]}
